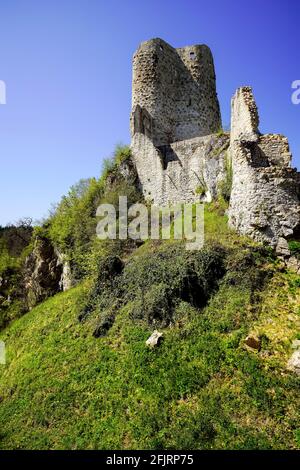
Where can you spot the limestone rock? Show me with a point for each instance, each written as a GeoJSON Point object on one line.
{"type": "Point", "coordinates": [293, 263]}
{"type": "Point", "coordinates": [42, 272]}
{"type": "Point", "coordinates": [66, 280]}
{"type": "Point", "coordinates": [282, 247]}
{"type": "Point", "coordinates": [155, 339]}
{"type": "Point", "coordinates": [294, 362]}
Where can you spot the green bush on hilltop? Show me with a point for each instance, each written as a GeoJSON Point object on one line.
{"type": "Point", "coordinates": [72, 225]}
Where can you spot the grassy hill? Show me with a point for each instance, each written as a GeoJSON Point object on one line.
{"type": "Point", "coordinates": [202, 388]}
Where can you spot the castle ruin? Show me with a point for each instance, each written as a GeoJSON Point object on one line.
{"type": "Point", "coordinates": [181, 154]}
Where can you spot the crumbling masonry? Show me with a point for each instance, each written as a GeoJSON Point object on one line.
{"type": "Point", "coordinates": [181, 155]}
{"type": "Point", "coordinates": [264, 200]}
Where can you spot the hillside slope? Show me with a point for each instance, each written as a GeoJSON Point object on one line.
{"type": "Point", "coordinates": [202, 388]}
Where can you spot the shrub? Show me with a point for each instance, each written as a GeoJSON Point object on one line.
{"type": "Point", "coordinates": [110, 165]}
{"type": "Point", "coordinates": [294, 247]}
{"type": "Point", "coordinates": [72, 225]}
{"type": "Point", "coordinates": [153, 283]}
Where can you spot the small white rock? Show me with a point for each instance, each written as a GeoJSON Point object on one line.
{"type": "Point", "coordinates": [154, 339]}
{"type": "Point", "coordinates": [294, 362]}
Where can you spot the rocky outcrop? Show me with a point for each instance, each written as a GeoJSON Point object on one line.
{"type": "Point", "coordinates": [293, 263]}
{"type": "Point", "coordinates": [46, 272]}
{"type": "Point", "coordinates": [294, 362]}
{"type": "Point", "coordinates": [66, 280]}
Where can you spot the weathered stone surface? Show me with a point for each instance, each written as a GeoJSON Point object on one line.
{"type": "Point", "coordinates": [66, 280]}
{"type": "Point", "coordinates": [282, 247]}
{"type": "Point", "coordinates": [294, 362]}
{"type": "Point", "coordinates": [175, 111]}
{"type": "Point", "coordinates": [264, 201]}
{"type": "Point", "coordinates": [179, 157]}
{"type": "Point", "coordinates": [245, 119]}
{"type": "Point", "coordinates": [253, 342]}
{"type": "Point", "coordinates": [155, 339]}
{"type": "Point", "coordinates": [187, 171]}
{"type": "Point", "coordinates": [42, 272]}
{"type": "Point", "coordinates": [173, 92]}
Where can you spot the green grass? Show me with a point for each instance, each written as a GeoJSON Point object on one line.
{"type": "Point", "coordinates": [201, 389]}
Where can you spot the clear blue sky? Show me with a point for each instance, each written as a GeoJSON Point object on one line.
{"type": "Point", "coordinates": [67, 67]}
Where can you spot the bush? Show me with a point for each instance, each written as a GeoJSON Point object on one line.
{"type": "Point", "coordinates": [15, 244]}
{"type": "Point", "coordinates": [154, 283]}
{"type": "Point", "coordinates": [72, 225]}
{"type": "Point", "coordinates": [294, 247]}
{"type": "Point", "coordinates": [155, 306]}
{"type": "Point", "coordinates": [110, 165]}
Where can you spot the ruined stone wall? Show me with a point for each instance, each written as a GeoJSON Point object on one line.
{"type": "Point", "coordinates": [264, 201]}
{"type": "Point", "coordinates": [173, 92]}
{"type": "Point", "coordinates": [184, 171]}
{"type": "Point", "coordinates": [275, 148]}
{"type": "Point", "coordinates": [180, 158]}
{"type": "Point", "coordinates": [244, 116]}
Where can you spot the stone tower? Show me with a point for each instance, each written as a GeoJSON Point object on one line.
{"type": "Point", "coordinates": [181, 157]}
{"type": "Point", "coordinates": [175, 115]}
{"type": "Point", "coordinates": [173, 92]}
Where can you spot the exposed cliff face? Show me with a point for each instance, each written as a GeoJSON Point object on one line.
{"type": "Point", "coordinates": [42, 272]}
{"type": "Point", "coordinates": [46, 272]}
